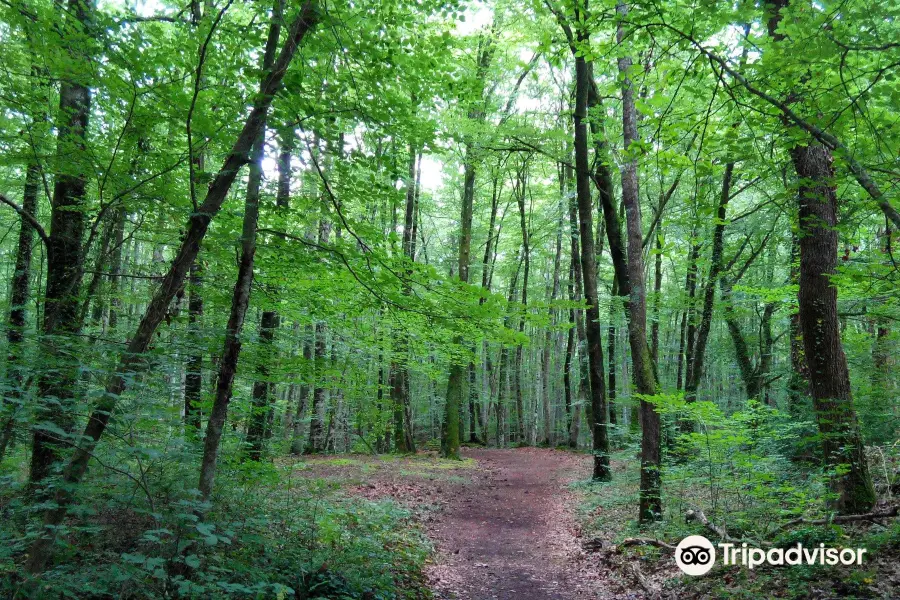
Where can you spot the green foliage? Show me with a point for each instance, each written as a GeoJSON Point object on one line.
{"type": "Point", "coordinates": [272, 534]}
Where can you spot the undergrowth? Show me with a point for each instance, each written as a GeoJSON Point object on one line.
{"type": "Point", "coordinates": [269, 534]}
{"type": "Point", "coordinates": [745, 472]}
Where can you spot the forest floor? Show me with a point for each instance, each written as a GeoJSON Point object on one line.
{"type": "Point", "coordinates": [526, 524]}
{"type": "Point", "coordinates": [502, 521]}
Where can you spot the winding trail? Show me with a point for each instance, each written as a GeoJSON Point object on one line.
{"type": "Point", "coordinates": [510, 534]}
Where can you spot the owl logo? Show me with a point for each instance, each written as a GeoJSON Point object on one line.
{"type": "Point", "coordinates": [695, 555]}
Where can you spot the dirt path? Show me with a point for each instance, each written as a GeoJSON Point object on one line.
{"type": "Point", "coordinates": [509, 535]}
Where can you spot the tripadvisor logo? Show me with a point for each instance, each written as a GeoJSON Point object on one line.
{"type": "Point", "coordinates": [695, 555]}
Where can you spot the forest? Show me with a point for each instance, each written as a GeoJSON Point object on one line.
{"type": "Point", "coordinates": [468, 299]}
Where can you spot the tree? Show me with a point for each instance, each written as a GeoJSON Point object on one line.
{"type": "Point", "coordinates": [602, 471]}
{"type": "Point", "coordinates": [40, 550]}
{"type": "Point", "coordinates": [842, 444]}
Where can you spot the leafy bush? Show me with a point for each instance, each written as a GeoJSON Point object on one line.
{"type": "Point", "coordinates": [271, 535]}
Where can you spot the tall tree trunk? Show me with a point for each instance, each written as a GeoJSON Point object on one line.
{"type": "Point", "coordinates": [548, 336]}
{"type": "Point", "coordinates": [602, 470]}
{"type": "Point", "coordinates": [829, 378]}
{"type": "Point", "coordinates": [315, 442]}
{"type": "Point", "coordinates": [456, 384]}
{"type": "Point", "coordinates": [611, 356]}
{"type": "Point", "coordinates": [18, 299]}
{"type": "Point", "coordinates": [131, 359]}
{"type": "Point", "coordinates": [567, 368]}
{"type": "Point", "coordinates": [240, 299]}
{"type": "Point", "coordinates": [487, 265]}
{"type": "Point", "coordinates": [260, 408]}
{"type": "Point", "coordinates": [520, 187]}
{"type": "Point", "coordinates": [741, 348]}
{"type": "Point", "coordinates": [297, 433]}
{"type": "Point", "coordinates": [657, 287]}
{"type": "Point", "coordinates": [798, 384]}
{"type": "Point", "coordinates": [642, 365]}
{"type": "Point", "coordinates": [193, 380]}
{"type": "Point", "coordinates": [399, 375]}
{"type": "Point", "coordinates": [269, 321]}
{"type": "Point", "coordinates": [842, 443]}
{"type": "Point", "coordinates": [65, 254]}
{"type": "Point", "coordinates": [115, 271]}
{"type": "Point", "coordinates": [690, 287]}
{"type": "Point", "coordinates": [690, 312]}
{"type": "Point", "coordinates": [695, 370]}
{"type": "Point", "coordinates": [504, 391]}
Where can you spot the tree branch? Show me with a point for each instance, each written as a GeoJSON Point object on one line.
{"type": "Point", "coordinates": [859, 172]}
{"type": "Point", "coordinates": [27, 217]}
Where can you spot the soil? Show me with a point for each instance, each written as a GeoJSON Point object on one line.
{"type": "Point", "coordinates": [510, 534]}
{"type": "Point", "coordinates": [502, 521]}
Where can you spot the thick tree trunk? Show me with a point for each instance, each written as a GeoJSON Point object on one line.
{"type": "Point", "coordinates": [842, 443]}
{"type": "Point", "coordinates": [65, 254]}
{"type": "Point", "coordinates": [602, 470]}
{"type": "Point", "coordinates": [829, 378]}
{"type": "Point", "coordinates": [642, 365]}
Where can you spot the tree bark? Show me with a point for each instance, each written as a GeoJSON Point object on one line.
{"type": "Point", "coordinates": [842, 443]}
{"type": "Point", "coordinates": [193, 380]}
{"type": "Point", "coordinates": [260, 408]}
{"type": "Point", "coordinates": [269, 322]}
{"type": "Point", "coordinates": [548, 337]}
{"type": "Point", "coordinates": [297, 433]}
{"type": "Point", "coordinates": [18, 299]}
{"type": "Point", "coordinates": [240, 299]}
{"type": "Point", "coordinates": [798, 384]}
{"type": "Point", "coordinates": [65, 254]}
{"type": "Point", "coordinates": [657, 286]}
{"type": "Point", "coordinates": [602, 470]}
{"type": "Point", "coordinates": [829, 378]}
{"type": "Point", "coordinates": [399, 375]}
{"type": "Point", "coordinates": [611, 356]}
{"type": "Point", "coordinates": [642, 365]}
{"type": "Point", "coordinates": [520, 187]}
{"type": "Point", "coordinates": [695, 371]}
